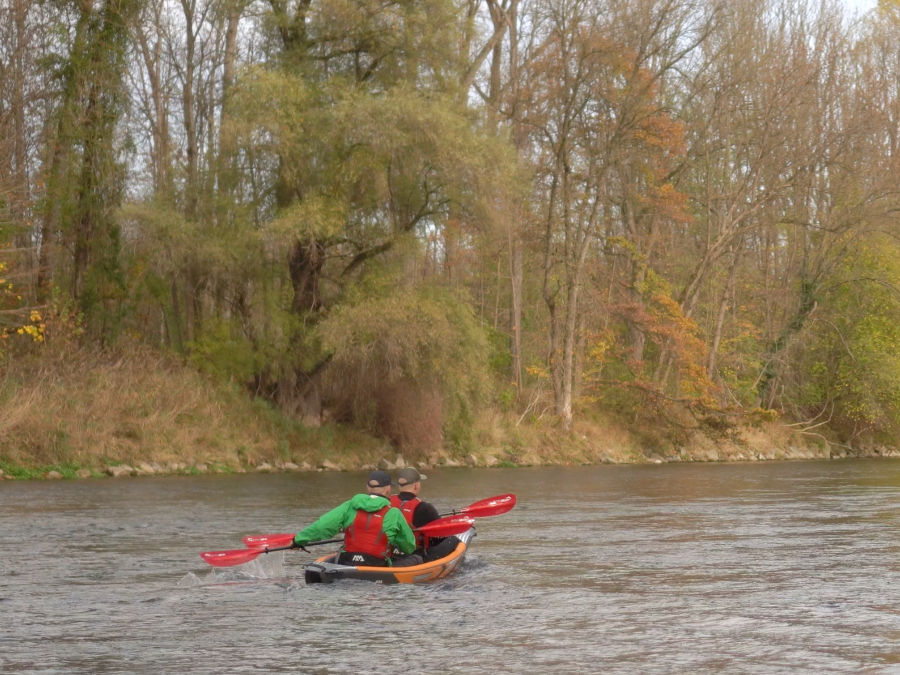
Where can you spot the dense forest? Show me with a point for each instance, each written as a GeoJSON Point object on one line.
{"type": "Point", "coordinates": [397, 214]}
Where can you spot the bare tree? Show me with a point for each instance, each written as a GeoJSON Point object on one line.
{"type": "Point", "coordinates": [592, 107]}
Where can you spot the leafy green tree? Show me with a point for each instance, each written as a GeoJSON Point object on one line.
{"type": "Point", "coordinates": [361, 148]}
{"type": "Point", "coordinates": [847, 363]}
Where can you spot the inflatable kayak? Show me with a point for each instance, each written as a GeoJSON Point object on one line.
{"type": "Point", "coordinates": [325, 570]}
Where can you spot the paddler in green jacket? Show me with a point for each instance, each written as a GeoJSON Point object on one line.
{"type": "Point", "coordinates": [372, 527]}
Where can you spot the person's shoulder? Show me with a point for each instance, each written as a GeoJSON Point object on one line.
{"type": "Point", "coordinates": [368, 502]}
{"type": "Point", "coordinates": [426, 507]}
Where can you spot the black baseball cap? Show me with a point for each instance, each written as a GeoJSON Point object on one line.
{"type": "Point", "coordinates": [379, 479]}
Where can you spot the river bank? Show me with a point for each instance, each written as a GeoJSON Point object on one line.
{"type": "Point", "coordinates": [582, 447]}
{"type": "Point", "coordinates": [138, 413]}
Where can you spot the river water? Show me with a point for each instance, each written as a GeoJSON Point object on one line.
{"type": "Point", "coordinates": [785, 567]}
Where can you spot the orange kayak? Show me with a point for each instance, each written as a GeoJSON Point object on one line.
{"type": "Point", "coordinates": [325, 570]}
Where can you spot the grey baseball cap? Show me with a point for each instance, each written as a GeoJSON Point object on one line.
{"type": "Point", "coordinates": [408, 476]}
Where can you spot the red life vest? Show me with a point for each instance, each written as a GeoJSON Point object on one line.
{"type": "Point", "coordinates": [408, 508]}
{"type": "Point", "coordinates": [366, 536]}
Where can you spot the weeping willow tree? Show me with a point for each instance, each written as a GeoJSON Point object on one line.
{"type": "Point", "coordinates": [410, 366]}
{"type": "Point", "coordinates": [355, 168]}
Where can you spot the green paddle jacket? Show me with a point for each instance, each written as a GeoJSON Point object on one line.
{"type": "Point", "coordinates": [394, 526]}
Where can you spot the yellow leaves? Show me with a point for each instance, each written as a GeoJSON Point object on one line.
{"type": "Point", "coordinates": [16, 319]}
{"type": "Point", "coordinates": [36, 332]}
{"type": "Point", "coordinates": [671, 337]}
{"type": "Point", "coordinates": [539, 372]}
{"type": "Point", "coordinates": [11, 305]}
{"type": "Point", "coordinates": [601, 347]}
{"type": "Point", "coordinates": [35, 329]}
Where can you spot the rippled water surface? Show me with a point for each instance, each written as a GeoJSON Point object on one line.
{"type": "Point", "coordinates": [751, 568]}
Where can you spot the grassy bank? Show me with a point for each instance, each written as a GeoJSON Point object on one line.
{"type": "Point", "coordinates": [86, 413]}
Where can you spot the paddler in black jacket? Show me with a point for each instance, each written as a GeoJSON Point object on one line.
{"type": "Point", "coordinates": [418, 513]}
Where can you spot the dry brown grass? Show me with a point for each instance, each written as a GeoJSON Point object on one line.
{"type": "Point", "coordinates": [89, 408]}
{"type": "Point", "coordinates": [85, 408]}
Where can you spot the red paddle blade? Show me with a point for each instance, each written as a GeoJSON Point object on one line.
{"type": "Point", "coordinates": [270, 540]}
{"type": "Point", "coordinates": [236, 556]}
{"type": "Point", "coordinates": [492, 506]}
{"type": "Point", "coordinates": [444, 527]}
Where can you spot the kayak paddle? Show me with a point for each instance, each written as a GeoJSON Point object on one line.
{"type": "Point", "coordinates": [443, 527]}
{"type": "Point", "coordinates": [239, 556]}
{"type": "Point", "coordinates": [270, 540]}
{"type": "Point", "coordinates": [492, 506]}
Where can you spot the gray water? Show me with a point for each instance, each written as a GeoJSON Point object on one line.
{"type": "Point", "coordinates": [745, 568]}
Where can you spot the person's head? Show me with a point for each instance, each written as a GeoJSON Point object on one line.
{"type": "Point", "coordinates": [410, 480]}
{"type": "Point", "coordinates": [379, 483]}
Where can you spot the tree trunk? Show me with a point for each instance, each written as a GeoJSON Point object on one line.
{"type": "Point", "coordinates": [807, 305]}
{"type": "Point", "coordinates": [516, 245]}
{"type": "Point", "coordinates": [56, 190]}
{"type": "Point", "coordinates": [21, 190]}
{"type": "Point", "coordinates": [517, 276]}
{"type": "Point", "coordinates": [307, 259]}
{"type": "Point", "coordinates": [187, 109]}
{"type": "Point", "coordinates": [724, 301]}
{"type": "Point", "coordinates": [159, 125]}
